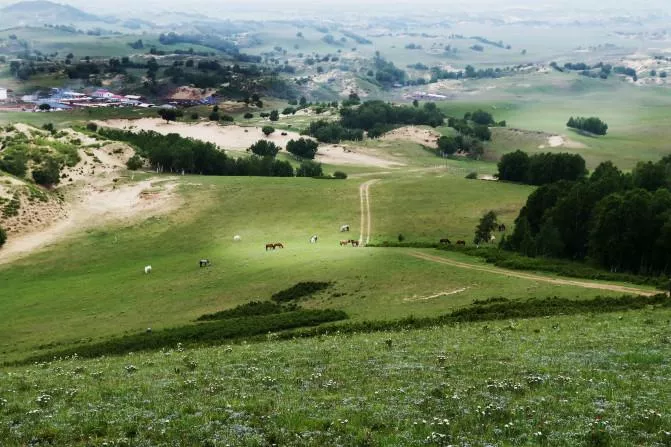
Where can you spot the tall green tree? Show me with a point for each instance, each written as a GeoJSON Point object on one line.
{"type": "Point", "coordinates": [485, 228]}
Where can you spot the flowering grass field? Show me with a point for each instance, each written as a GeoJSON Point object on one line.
{"type": "Point", "coordinates": [592, 380]}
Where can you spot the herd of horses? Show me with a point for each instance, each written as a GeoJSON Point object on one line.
{"type": "Point", "coordinates": [499, 227]}
{"type": "Point", "coordinates": [343, 243]}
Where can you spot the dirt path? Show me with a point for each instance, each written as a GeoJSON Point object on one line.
{"type": "Point", "coordinates": [94, 206]}
{"type": "Point", "coordinates": [532, 277]}
{"type": "Point", "coordinates": [364, 198]}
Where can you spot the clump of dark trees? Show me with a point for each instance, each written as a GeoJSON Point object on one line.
{"type": "Point", "coordinates": [173, 153]}
{"type": "Point", "coordinates": [374, 117]}
{"type": "Point", "coordinates": [542, 168]}
{"type": "Point", "coordinates": [592, 125]}
{"type": "Point", "coordinates": [472, 130]}
{"type": "Point", "coordinates": [619, 221]}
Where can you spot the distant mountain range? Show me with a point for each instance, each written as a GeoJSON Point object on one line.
{"type": "Point", "coordinates": [41, 12]}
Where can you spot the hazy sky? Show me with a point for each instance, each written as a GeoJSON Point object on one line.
{"type": "Point", "coordinates": [221, 8]}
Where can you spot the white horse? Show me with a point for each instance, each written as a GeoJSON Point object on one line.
{"type": "Point", "coordinates": [313, 239]}
{"type": "Point", "coordinates": [147, 269]}
{"type": "Point", "coordinates": [492, 238]}
{"type": "Point", "coordinates": [237, 238]}
{"type": "Point", "coordinates": [344, 228]}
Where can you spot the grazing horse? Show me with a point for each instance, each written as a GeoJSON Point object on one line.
{"type": "Point", "coordinates": [461, 242]}
{"type": "Point", "coordinates": [147, 269]}
{"type": "Point", "coordinates": [344, 228]}
{"type": "Point", "coordinates": [270, 247]}
{"type": "Point", "coordinates": [204, 262]}
{"type": "Point", "coordinates": [445, 241]}
{"type": "Point", "coordinates": [354, 242]}
{"type": "Point", "coordinates": [492, 238]}
{"type": "Point", "coordinates": [313, 239]}
{"type": "Point", "coordinates": [237, 238]}
{"type": "Point", "coordinates": [502, 227]}
{"type": "Point", "coordinates": [344, 242]}
{"type": "Point", "coordinates": [278, 245]}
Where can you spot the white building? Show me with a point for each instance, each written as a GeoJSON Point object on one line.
{"type": "Point", "coordinates": [3, 94]}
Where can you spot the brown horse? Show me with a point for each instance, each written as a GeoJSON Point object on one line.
{"type": "Point", "coordinates": [278, 245]}
{"type": "Point", "coordinates": [445, 241]}
{"type": "Point", "coordinates": [344, 242]}
{"type": "Point", "coordinates": [354, 242]}
{"type": "Point", "coordinates": [461, 243]}
{"type": "Point", "coordinates": [270, 247]}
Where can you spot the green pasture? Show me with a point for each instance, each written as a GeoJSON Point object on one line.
{"type": "Point", "coordinates": [92, 284]}
{"type": "Point", "coordinates": [581, 380]}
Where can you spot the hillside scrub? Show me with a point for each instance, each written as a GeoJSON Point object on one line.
{"type": "Point", "coordinates": [3, 236]}
{"type": "Point", "coordinates": [300, 290]}
{"type": "Point", "coordinates": [173, 153]}
{"type": "Point", "coordinates": [252, 308]}
{"type": "Point", "coordinates": [200, 334]}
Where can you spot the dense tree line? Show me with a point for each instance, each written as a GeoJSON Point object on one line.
{"type": "Point", "coordinates": [541, 169]}
{"type": "Point", "coordinates": [332, 132]}
{"type": "Point", "coordinates": [174, 153]}
{"type": "Point", "coordinates": [620, 221]}
{"type": "Point", "coordinates": [378, 113]}
{"type": "Point", "coordinates": [593, 125]}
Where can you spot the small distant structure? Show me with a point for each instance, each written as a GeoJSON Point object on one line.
{"type": "Point", "coordinates": [3, 94]}
{"type": "Point", "coordinates": [102, 94]}
{"type": "Point", "coordinates": [425, 95]}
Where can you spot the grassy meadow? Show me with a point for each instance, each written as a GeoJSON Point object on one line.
{"type": "Point", "coordinates": [586, 380]}
{"type": "Point", "coordinates": [91, 285]}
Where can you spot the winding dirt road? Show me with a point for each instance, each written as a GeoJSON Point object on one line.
{"type": "Point", "coordinates": [532, 277]}
{"type": "Point", "coordinates": [364, 197]}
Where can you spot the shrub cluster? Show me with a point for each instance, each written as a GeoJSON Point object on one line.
{"type": "Point", "coordinates": [300, 290]}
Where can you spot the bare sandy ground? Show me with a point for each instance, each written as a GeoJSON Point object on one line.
{"type": "Point", "coordinates": [92, 207]}
{"type": "Point", "coordinates": [560, 141]}
{"type": "Point", "coordinates": [417, 135]}
{"type": "Point", "coordinates": [236, 138]}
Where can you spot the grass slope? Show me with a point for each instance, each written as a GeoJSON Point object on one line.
{"type": "Point", "coordinates": [579, 380]}
{"type": "Point", "coordinates": [92, 285]}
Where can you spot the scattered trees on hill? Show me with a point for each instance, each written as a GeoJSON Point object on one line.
{"type": "Point", "coordinates": [48, 174]}
{"type": "Point", "coordinates": [170, 114]}
{"type": "Point", "coordinates": [303, 147]}
{"type": "Point", "coordinates": [173, 153]}
{"type": "Point", "coordinates": [617, 220]}
{"type": "Point", "coordinates": [274, 115]}
{"type": "Point", "coordinates": [592, 125]}
{"type": "Point", "coordinates": [332, 132]}
{"type": "Point", "coordinates": [449, 145]}
{"type": "Point", "coordinates": [134, 163]}
{"type": "Point", "coordinates": [485, 228]}
{"type": "Point", "coordinates": [378, 113]}
{"type": "Point", "coordinates": [264, 148]}
{"type": "Point", "coordinates": [310, 169]}
{"type": "Point", "coordinates": [541, 169]}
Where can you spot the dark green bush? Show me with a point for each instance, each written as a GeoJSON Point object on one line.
{"type": "Point", "coordinates": [3, 236]}
{"type": "Point", "coordinates": [201, 334]}
{"type": "Point", "coordinates": [300, 290]}
{"type": "Point", "coordinates": [253, 308]}
{"type": "Point", "coordinates": [339, 175]}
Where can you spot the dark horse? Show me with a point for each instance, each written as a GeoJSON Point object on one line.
{"type": "Point", "coordinates": [461, 242]}
{"type": "Point", "coordinates": [270, 247]}
{"type": "Point", "coordinates": [204, 262]}
{"type": "Point", "coordinates": [354, 242]}
{"type": "Point", "coordinates": [278, 245]}
{"type": "Point", "coordinates": [445, 241]}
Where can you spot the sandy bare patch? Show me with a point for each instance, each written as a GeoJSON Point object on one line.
{"type": "Point", "coordinates": [425, 137]}
{"type": "Point", "coordinates": [334, 154]}
{"type": "Point", "coordinates": [192, 94]}
{"type": "Point", "coordinates": [92, 207]}
{"type": "Point", "coordinates": [560, 141]}
{"type": "Point", "coordinates": [237, 138]}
